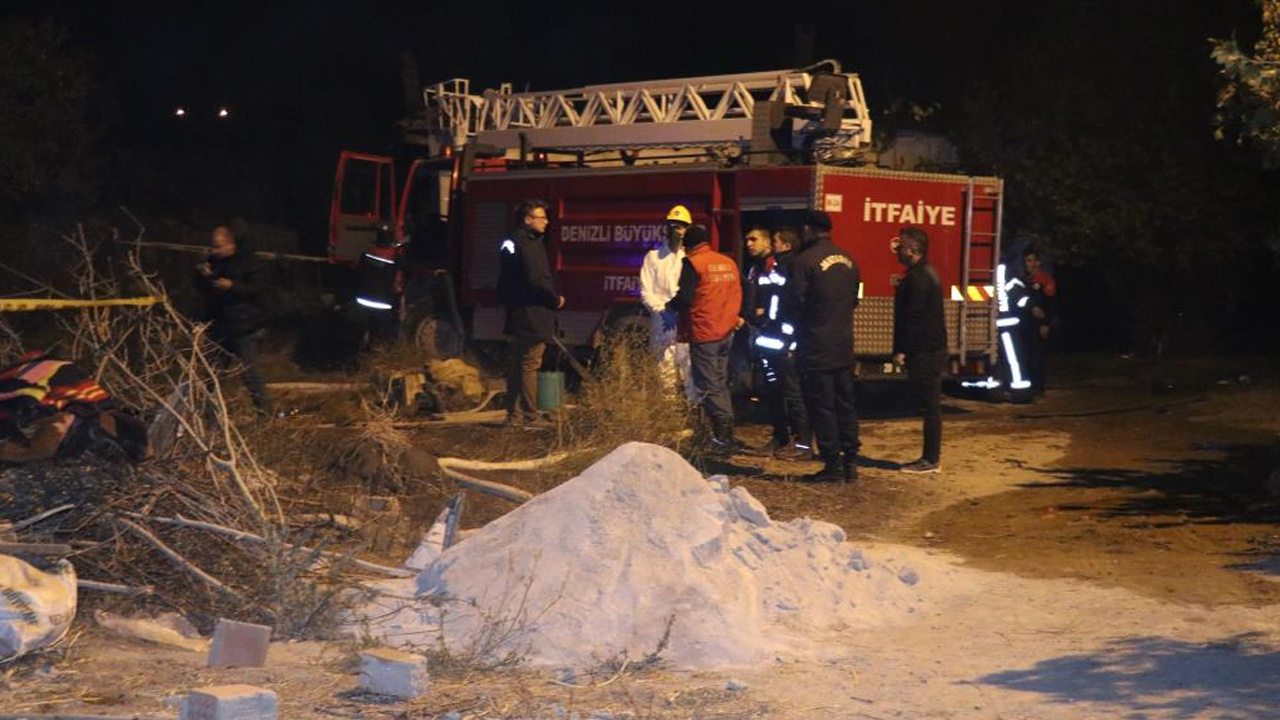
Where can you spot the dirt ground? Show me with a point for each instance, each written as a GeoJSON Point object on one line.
{"type": "Point", "coordinates": [1118, 543]}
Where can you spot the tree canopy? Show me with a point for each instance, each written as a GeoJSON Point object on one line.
{"type": "Point", "coordinates": [1249, 101]}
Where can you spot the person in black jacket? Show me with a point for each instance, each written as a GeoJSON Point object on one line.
{"type": "Point", "coordinates": [920, 339]}
{"type": "Point", "coordinates": [232, 282]}
{"type": "Point", "coordinates": [530, 299]}
{"type": "Point", "coordinates": [824, 292]}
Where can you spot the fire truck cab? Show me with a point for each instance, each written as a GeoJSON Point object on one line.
{"type": "Point", "coordinates": [611, 160]}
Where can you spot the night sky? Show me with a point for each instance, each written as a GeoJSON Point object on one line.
{"type": "Point", "coordinates": [303, 80]}
{"type": "Point", "coordinates": [289, 66]}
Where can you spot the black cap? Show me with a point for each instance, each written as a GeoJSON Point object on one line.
{"type": "Point", "coordinates": [817, 219]}
{"type": "Point", "coordinates": [696, 235]}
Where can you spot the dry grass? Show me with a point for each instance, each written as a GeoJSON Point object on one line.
{"type": "Point", "coordinates": [158, 363]}
{"type": "Point", "coordinates": [623, 401]}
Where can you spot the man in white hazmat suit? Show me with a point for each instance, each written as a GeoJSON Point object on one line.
{"type": "Point", "coordinates": [659, 280]}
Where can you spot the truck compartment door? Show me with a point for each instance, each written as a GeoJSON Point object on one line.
{"type": "Point", "coordinates": [363, 200]}
{"type": "Point", "coordinates": [423, 221]}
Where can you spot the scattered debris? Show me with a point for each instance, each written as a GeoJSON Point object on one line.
{"type": "Point", "coordinates": [457, 379]}
{"type": "Point", "coordinates": [380, 517]}
{"type": "Point", "coordinates": [238, 644]}
{"type": "Point", "coordinates": [23, 548]}
{"type": "Point", "coordinates": [230, 702]}
{"type": "Point", "coordinates": [441, 535]}
{"type": "Point", "coordinates": [95, 586]}
{"type": "Point", "coordinates": [163, 630]}
{"type": "Point", "coordinates": [36, 607]}
{"type": "Point", "coordinates": [451, 467]}
{"type": "Point", "coordinates": [385, 671]}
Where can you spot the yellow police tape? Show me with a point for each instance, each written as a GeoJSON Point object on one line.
{"type": "Point", "coordinates": [33, 304]}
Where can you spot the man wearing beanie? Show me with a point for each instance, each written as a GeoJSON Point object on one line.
{"type": "Point", "coordinates": [708, 301]}
{"type": "Point", "coordinates": [824, 286]}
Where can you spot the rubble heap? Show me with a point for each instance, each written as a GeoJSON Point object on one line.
{"type": "Point", "coordinates": [639, 553]}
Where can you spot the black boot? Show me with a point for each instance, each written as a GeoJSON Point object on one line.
{"type": "Point", "coordinates": [722, 439]}
{"type": "Point", "coordinates": [832, 471]}
{"type": "Point", "coordinates": [850, 469]}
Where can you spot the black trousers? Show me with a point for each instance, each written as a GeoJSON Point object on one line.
{"type": "Point", "coordinates": [247, 348]}
{"type": "Point", "coordinates": [1035, 358]}
{"type": "Point", "coordinates": [924, 376]}
{"type": "Point", "coordinates": [785, 399]}
{"type": "Point", "coordinates": [829, 397]}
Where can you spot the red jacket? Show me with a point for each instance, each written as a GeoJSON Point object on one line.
{"type": "Point", "coordinates": [710, 295]}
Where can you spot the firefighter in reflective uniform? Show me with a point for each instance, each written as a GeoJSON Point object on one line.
{"type": "Point", "coordinates": [758, 264]}
{"type": "Point", "coordinates": [1012, 300]}
{"type": "Point", "coordinates": [774, 343]}
{"type": "Point", "coordinates": [379, 286]}
{"type": "Point", "coordinates": [745, 366]}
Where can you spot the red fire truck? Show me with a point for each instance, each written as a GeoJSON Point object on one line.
{"type": "Point", "coordinates": [612, 159]}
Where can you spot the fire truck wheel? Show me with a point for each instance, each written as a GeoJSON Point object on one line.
{"type": "Point", "coordinates": [437, 338]}
{"type": "Point", "coordinates": [634, 328]}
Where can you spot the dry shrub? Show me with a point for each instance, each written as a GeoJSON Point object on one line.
{"type": "Point", "coordinates": [498, 636]}
{"type": "Point", "coordinates": [155, 361]}
{"type": "Point", "coordinates": [626, 400]}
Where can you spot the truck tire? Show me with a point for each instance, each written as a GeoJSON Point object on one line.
{"type": "Point", "coordinates": [631, 326]}
{"type": "Point", "coordinates": [437, 338]}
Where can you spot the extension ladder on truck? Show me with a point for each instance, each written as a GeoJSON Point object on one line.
{"type": "Point", "coordinates": [697, 112]}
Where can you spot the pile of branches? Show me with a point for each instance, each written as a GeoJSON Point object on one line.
{"type": "Point", "coordinates": [200, 527]}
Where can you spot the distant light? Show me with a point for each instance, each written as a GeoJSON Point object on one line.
{"type": "Point", "coordinates": [180, 112]}
{"type": "Point", "coordinates": [223, 112]}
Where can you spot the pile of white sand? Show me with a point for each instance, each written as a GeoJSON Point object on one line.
{"type": "Point", "coordinates": [602, 565]}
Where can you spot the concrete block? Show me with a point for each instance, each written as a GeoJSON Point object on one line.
{"type": "Point", "coordinates": [393, 672]}
{"type": "Point", "coordinates": [237, 644]}
{"type": "Point", "coordinates": [230, 702]}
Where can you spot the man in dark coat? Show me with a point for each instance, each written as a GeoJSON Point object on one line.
{"type": "Point", "coordinates": [232, 282]}
{"type": "Point", "coordinates": [530, 299]}
{"type": "Point", "coordinates": [920, 339]}
{"type": "Point", "coordinates": [824, 290]}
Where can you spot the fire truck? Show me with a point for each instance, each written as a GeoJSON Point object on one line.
{"type": "Point", "coordinates": [612, 159]}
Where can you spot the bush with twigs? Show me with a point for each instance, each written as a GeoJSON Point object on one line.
{"type": "Point", "coordinates": [201, 527]}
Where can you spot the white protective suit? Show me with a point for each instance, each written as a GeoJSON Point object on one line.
{"type": "Point", "coordinates": [659, 281]}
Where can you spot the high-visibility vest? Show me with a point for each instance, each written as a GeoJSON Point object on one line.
{"type": "Point", "coordinates": [718, 297]}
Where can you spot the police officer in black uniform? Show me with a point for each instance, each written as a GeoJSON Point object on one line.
{"type": "Point", "coordinates": [824, 289]}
